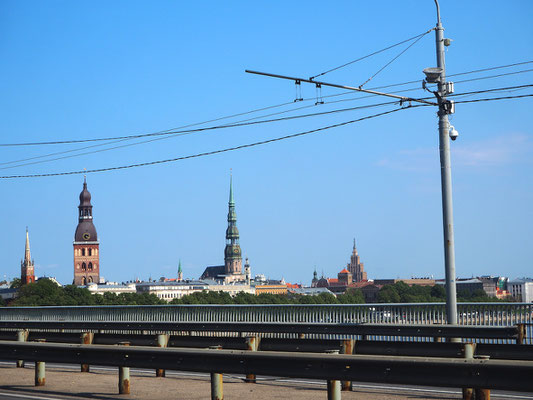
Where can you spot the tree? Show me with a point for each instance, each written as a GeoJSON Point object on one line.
{"type": "Point", "coordinates": [352, 296]}
{"type": "Point", "coordinates": [44, 292]}
{"type": "Point", "coordinates": [15, 283]}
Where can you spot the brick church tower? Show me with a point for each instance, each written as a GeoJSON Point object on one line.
{"type": "Point", "coordinates": [27, 274]}
{"type": "Point", "coordinates": [86, 245]}
{"type": "Point", "coordinates": [232, 252]}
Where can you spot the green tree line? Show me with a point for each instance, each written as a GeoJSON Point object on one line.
{"type": "Point", "coordinates": [44, 292]}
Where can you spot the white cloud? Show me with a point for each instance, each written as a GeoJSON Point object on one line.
{"type": "Point", "coordinates": [493, 152]}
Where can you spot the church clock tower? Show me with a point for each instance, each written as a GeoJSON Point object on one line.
{"type": "Point", "coordinates": [232, 252]}
{"type": "Point", "coordinates": [86, 245]}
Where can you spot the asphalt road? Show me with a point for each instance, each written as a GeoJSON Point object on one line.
{"type": "Point", "coordinates": [65, 382]}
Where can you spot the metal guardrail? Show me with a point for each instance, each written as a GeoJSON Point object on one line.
{"type": "Point", "coordinates": [443, 372]}
{"type": "Point", "coordinates": [490, 314]}
{"type": "Point", "coordinates": [297, 329]}
{"type": "Point", "coordinates": [369, 347]}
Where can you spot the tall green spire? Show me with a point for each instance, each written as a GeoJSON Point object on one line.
{"type": "Point", "coordinates": [232, 252]}
{"type": "Point", "coordinates": [180, 272]}
{"type": "Point", "coordinates": [231, 200]}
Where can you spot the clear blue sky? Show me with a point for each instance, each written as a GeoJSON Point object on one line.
{"type": "Point", "coordinates": [75, 70]}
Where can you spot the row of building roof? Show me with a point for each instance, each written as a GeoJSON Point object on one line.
{"type": "Point", "coordinates": [232, 278]}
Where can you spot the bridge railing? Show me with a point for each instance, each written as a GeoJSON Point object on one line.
{"type": "Point", "coordinates": [484, 314]}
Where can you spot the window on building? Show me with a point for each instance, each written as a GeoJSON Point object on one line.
{"type": "Point", "coordinates": [90, 266]}
{"type": "Point", "coordinates": [83, 267]}
{"type": "Point", "coordinates": [82, 252]}
{"type": "Point", "coordinates": [90, 252]}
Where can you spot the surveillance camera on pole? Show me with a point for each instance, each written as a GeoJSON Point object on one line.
{"type": "Point", "coordinates": [453, 133]}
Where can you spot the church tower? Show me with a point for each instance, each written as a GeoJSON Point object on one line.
{"type": "Point", "coordinates": [356, 267]}
{"type": "Point", "coordinates": [232, 252]}
{"type": "Point", "coordinates": [86, 245]}
{"type": "Point", "coordinates": [27, 274]}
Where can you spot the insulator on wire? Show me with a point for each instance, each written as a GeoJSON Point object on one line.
{"type": "Point", "coordinates": [298, 87]}
{"type": "Point", "coordinates": [319, 98]}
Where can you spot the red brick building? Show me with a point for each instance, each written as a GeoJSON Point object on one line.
{"type": "Point", "coordinates": [86, 245]}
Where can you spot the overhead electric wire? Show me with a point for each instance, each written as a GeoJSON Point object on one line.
{"type": "Point", "coordinates": [273, 120]}
{"type": "Point", "coordinates": [394, 59]}
{"type": "Point", "coordinates": [208, 153]}
{"type": "Point", "coordinates": [173, 130]}
{"type": "Point", "coordinates": [251, 144]}
{"type": "Point", "coordinates": [186, 133]}
{"type": "Point", "coordinates": [371, 54]}
{"type": "Point", "coordinates": [494, 98]}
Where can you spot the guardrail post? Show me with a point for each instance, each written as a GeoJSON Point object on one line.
{"type": "Point", "coordinates": [217, 389]}
{"type": "Point", "coordinates": [86, 338]}
{"type": "Point", "coordinates": [252, 344]}
{"type": "Point", "coordinates": [334, 386]}
{"type": "Point", "coordinates": [521, 338]}
{"type": "Point", "coordinates": [124, 376]}
{"type": "Point", "coordinates": [347, 346]}
{"type": "Point", "coordinates": [40, 369]}
{"type": "Point", "coordinates": [22, 336]}
{"type": "Point", "coordinates": [482, 394]}
{"type": "Point", "coordinates": [162, 341]}
{"type": "Point", "coordinates": [468, 353]}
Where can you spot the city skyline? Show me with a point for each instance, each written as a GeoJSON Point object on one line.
{"type": "Point", "coordinates": [300, 201]}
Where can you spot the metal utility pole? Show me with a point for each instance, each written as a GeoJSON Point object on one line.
{"type": "Point", "coordinates": [435, 76]}
{"type": "Point", "coordinates": [445, 108]}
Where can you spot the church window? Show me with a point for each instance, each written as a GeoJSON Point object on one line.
{"type": "Point", "coordinates": [90, 266]}
{"type": "Point", "coordinates": [83, 267]}
{"type": "Point", "coordinates": [84, 281]}
{"type": "Point", "coordinates": [90, 252]}
{"type": "Point", "coordinates": [90, 279]}
{"type": "Point", "coordinates": [82, 252]}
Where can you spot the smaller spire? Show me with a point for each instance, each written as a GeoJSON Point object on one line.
{"type": "Point", "coordinates": [231, 200]}
{"type": "Point", "coordinates": [180, 272]}
{"type": "Point", "coordinates": [27, 255]}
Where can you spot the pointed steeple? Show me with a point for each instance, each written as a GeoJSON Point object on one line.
{"type": "Point", "coordinates": [180, 272]}
{"type": "Point", "coordinates": [356, 267]}
{"type": "Point", "coordinates": [27, 255]}
{"type": "Point", "coordinates": [231, 200]}
{"type": "Point", "coordinates": [27, 274]}
{"type": "Point", "coordinates": [232, 252]}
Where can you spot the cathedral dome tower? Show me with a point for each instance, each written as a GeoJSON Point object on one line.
{"type": "Point", "coordinates": [86, 245]}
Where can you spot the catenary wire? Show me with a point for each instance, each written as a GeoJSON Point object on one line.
{"type": "Point", "coordinates": [209, 153]}
{"type": "Point", "coordinates": [178, 134]}
{"type": "Point", "coordinates": [185, 133]}
{"type": "Point", "coordinates": [250, 144]}
{"type": "Point", "coordinates": [171, 131]}
{"type": "Point", "coordinates": [371, 54]}
{"type": "Point", "coordinates": [391, 61]}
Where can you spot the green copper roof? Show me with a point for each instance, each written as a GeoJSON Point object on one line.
{"type": "Point", "coordinates": [231, 200]}
{"type": "Point", "coordinates": [179, 267]}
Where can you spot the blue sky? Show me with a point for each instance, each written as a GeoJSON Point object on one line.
{"type": "Point", "coordinates": [76, 70]}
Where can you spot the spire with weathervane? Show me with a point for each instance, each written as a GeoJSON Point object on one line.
{"type": "Point", "coordinates": [232, 252]}
{"type": "Point", "coordinates": [27, 274]}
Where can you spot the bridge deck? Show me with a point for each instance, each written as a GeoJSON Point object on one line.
{"type": "Point", "coordinates": [63, 382]}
